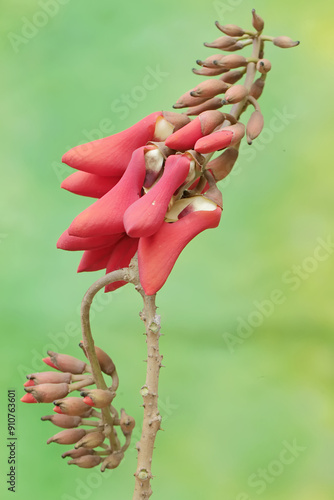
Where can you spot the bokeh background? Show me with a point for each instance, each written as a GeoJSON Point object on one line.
{"type": "Point", "coordinates": [247, 392]}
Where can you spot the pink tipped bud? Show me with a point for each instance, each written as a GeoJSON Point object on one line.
{"type": "Point", "coordinates": [232, 76]}
{"type": "Point", "coordinates": [257, 88]}
{"type": "Point", "coordinates": [48, 362]}
{"type": "Point", "coordinates": [69, 436]}
{"type": "Point", "coordinates": [86, 461]}
{"type": "Point", "coordinates": [90, 440]}
{"type": "Point", "coordinates": [230, 29]}
{"type": "Point", "coordinates": [222, 42]}
{"type": "Point", "coordinates": [66, 363]}
{"type": "Point", "coordinates": [49, 378]}
{"type": "Point", "coordinates": [223, 164]}
{"type": "Point", "coordinates": [98, 398]}
{"type": "Point", "coordinates": [257, 21]}
{"type": "Point", "coordinates": [71, 406]}
{"type": "Point", "coordinates": [209, 88]}
{"type": "Point", "coordinates": [254, 126]}
{"type": "Point", "coordinates": [64, 421]}
{"type": "Point", "coordinates": [215, 71]}
{"type": "Point", "coordinates": [221, 139]}
{"type": "Point", "coordinates": [127, 423]}
{"type": "Point", "coordinates": [78, 453]}
{"type": "Point", "coordinates": [263, 66]}
{"type": "Point", "coordinates": [28, 398]}
{"type": "Point", "coordinates": [231, 61]}
{"type": "Point", "coordinates": [284, 42]}
{"type": "Point", "coordinates": [214, 103]}
{"type": "Point", "coordinates": [29, 383]}
{"type": "Point", "coordinates": [112, 461]}
{"type": "Point", "coordinates": [46, 393]}
{"type": "Point", "coordinates": [235, 94]}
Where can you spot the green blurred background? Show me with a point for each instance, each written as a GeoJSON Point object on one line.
{"type": "Point", "coordinates": [230, 403]}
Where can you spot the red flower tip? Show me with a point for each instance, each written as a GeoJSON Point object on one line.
{"type": "Point", "coordinates": [49, 362]}
{"type": "Point", "coordinates": [58, 410]}
{"type": "Point", "coordinates": [215, 141]}
{"type": "Point", "coordinates": [91, 185]}
{"type": "Point", "coordinates": [28, 398]}
{"type": "Point", "coordinates": [29, 383]}
{"type": "Point", "coordinates": [88, 401]}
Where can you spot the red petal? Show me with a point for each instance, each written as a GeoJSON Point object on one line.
{"type": "Point", "coordinates": [105, 216]}
{"type": "Point", "coordinates": [214, 142]}
{"type": "Point", "coordinates": [90, 185]}
{"type": "Point", "coordinates": [29, 383]}
{"type": "Point", "coordinates": [121, 257]}
{"type": "Point", "coordinates": [158, 253]}
{"type": "Point", "coordinates": [111, 155]}
{"type": "Point", "coordinates": [88, 401]}
{"type": "Point", "coordinates": [49, 362]}
{"type": "Point", "coordinates": [94, 260]}
{"type": "Point", "coordinates": [144, 217]}
{"type": "Point", "coordinates": [28, 398]}
{"type": "Point", "coordinates": [73, 243]}
{"type": "Point", "coordinates": [185, 137]}
{"type": "Point", "coordinates": [58, 410]}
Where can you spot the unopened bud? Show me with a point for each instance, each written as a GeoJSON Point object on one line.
{"type": "Point", "coordinates": [106, 363]}
{"type": "Point", "coordinates": [231, 61]}
{"type": "Point", "coordinates": [80, 452]}
{"type": "Point", "coordinates": [86, 461]}
{"type": "Point", "coordinates": [97, 397]}
{"type": "Point", "coordinates": [232, 76]}
{"type": "Point", "coordinates": [228, 136]}
{"type": "Point", "coordinates": [257, 21]}
{"type": "Point", "coordinates": [214, 103]}
{"type": "Point", "coordinates": [235, 94]}
{"type": "Point", "coordinates": [46, 393]}
{"type": "Point", "coordinates": [64, 421]}
{"type": "Point", "coordinates": [69, 436]}
{"type": "Point", "coordinates": [49, 378]}
{"type": "Point", "coordinates": [28, 398]}
{"type": "Point", "coordinates": [209, 71]}
{"type": "Point", "coordinates": [187, 100]}
{"type": "Point", "coordinates": [127, 423]}
{"type": "Point", "coordinates": [230, 29]}
{"type": "Point", "coordinates": [223, 164]}
{"type": "Point", "coordinates": [257, 88]}
{"type": "Point", "coordinates": [71, 406]}
{"type": "Point", "coordinates": [211, 61]}
{"type": "Point", "coordinates": [90, 440]}
{"type": "Point", "coordinates": [222, 42]}
{"type": "Point", "coordinates": [209, 88]}
{"type": "Point", "coordinates": [263, 66]}
{"type": "Point", "coordinates": [254, 126]}
{"type": "Point", "coordinates": [284, 42]}
{"type": "Point", "coordinates": [65, 363]}
{"type": "Point", "coordinates": [112, 461]}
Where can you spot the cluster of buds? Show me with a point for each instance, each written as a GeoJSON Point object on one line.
{"type": "Point", "coordinates": [156, 181]}
{"type": "Point", "coordinates": [84, 426]}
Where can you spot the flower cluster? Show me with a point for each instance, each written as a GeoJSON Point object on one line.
{"type": "Point", "coordinates": [75, 414]}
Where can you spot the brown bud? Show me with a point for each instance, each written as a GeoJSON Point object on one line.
{"type": "Point", "coordinates": [106, 363]}
{"type": "Point", "coordinates": [210, 62]}
{"type": "Point", "coordinates": [235, 94]}
{"type": "Point", "coordinates": [97, 397]}
{"type": "Point", "coordinates": [223, 164]}
{"type": "Point", "coordinates": [209, 71]}
{"type": "Point", "coordinates": [71, 406]}
{"type": "Point", "coordinates": [64, 421]}
{"type": "Point", "coordinates": [257, 88]}
{"type": "Point", "coordinates": [127, 423]}
{"type": "Point", "coordinates": [209, 88]}
{"type": "Point", "coordinates": [86, 461]}
{"type": "Point", "coordinates": [66, 363]}
{"type": "Point", "coordinates": [69, 436]}
{"type": "Point", "coordinates": [230, 29]}
{"type": "Point", "coordinates": [263, 66]}
{"type": "Point", "coordinates": [91, 440]}
{"type": "Point", "coordinates": [257, 21]}
{"type": "Point", "coordinates": [187, 100]}
{"type": "Point", "coordinates": [214, 103]}
{"type": "Point", "coordinates": [232, 76]}
{"type": "Point", "coordinates": [222, 42]}
{"type": "Point", "coordinates": [78, 453]}
{"type": "Point", "coordinates": [46, 393]}
{"type": "Point", "coordinates": [112, 461]}
{"type": "Point", "coordinates": [236, 46]}
{"type": "Point", "coordinates": [179, 121]}
{"type": "Point", "coordinates": [231, 61]}
{"type": "Point", "coordinates": [254, 126]}
{"type": "Point", "coordinates": [49, 377]}
{"type": "Point", "coordinates": [284, 42]}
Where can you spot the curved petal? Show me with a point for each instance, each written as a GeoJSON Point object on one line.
{"type": "Point", "coordinates": [94, 260]}
{"type": "Point", "coordinates": [74, 243]}
{"type": "Point", "coordinates": [90, 185]}
{"type": "Point", "coordinates": [120, 257]}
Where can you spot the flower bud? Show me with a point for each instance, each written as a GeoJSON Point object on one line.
{"type": "Point", "coordinates": [112, 461]}
{"type": "Point", "coordinates": [284, 42]}
{"type": "Point", "coordinates": [210, 62]}
{"type": "Point", "coordinates": [231, 61]}
{"type": "Point", "coordinates": [223, 164]}
{"type": "Point", "coordinates": [65, 363]}
{"type": "Point", "coordinates": [228, 136]}
{"type": "Point", "coordinates": [127, 423]}
{"type": "Point", "coordinates": [257, 88]}
{"type": "Point", "coordinates": [97, 398]}
{"type": "Point", "coordinates": [209, 71]}
{"type": "Point", "coordinates": [106, 363]}
{"type": "Point", "coordinates": [80, 452]}
{"type": "Point", "coordinates": [232, 76]}
{"type": "Point", "coordinates": [90, 440]}
{"type": "Point", "coordinates": [230, 29]}
{"type": "Point", "coordinates": [187, 100]}
{"type": "Point", "coordinates": [236, 46]}
{"type": "Point", "coordinates": [28, 398]}
{"type": "Point", "coordinates": [46, 393]}
{"type": "Point", "coordinates": [71, 406]}
{"type": "Point", "coordinates": [214, 103]}
{"type": "Point", "coordinates": [235, 94]}
{"type": "Point", "coordinates": [29, 383]}
{"type": "Point", "coordinates": [257, 21]}
{"type": "Point", "coordinates": [263, 66]}
{"type": "Point", "coordinates": [49, 378]}
{"type": "Point", "coordinates": [254, 126]}
{"type": "Point", "coordinates": [209, 88]}
{"type": "Point", "coordinates": [86, 461]}
{"type": "Point", "coordinates": [64, 421]}
{"type": "Point", "coordinates": [69, 436]}
{"type": "Point", "coordinates": [222, 42]}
